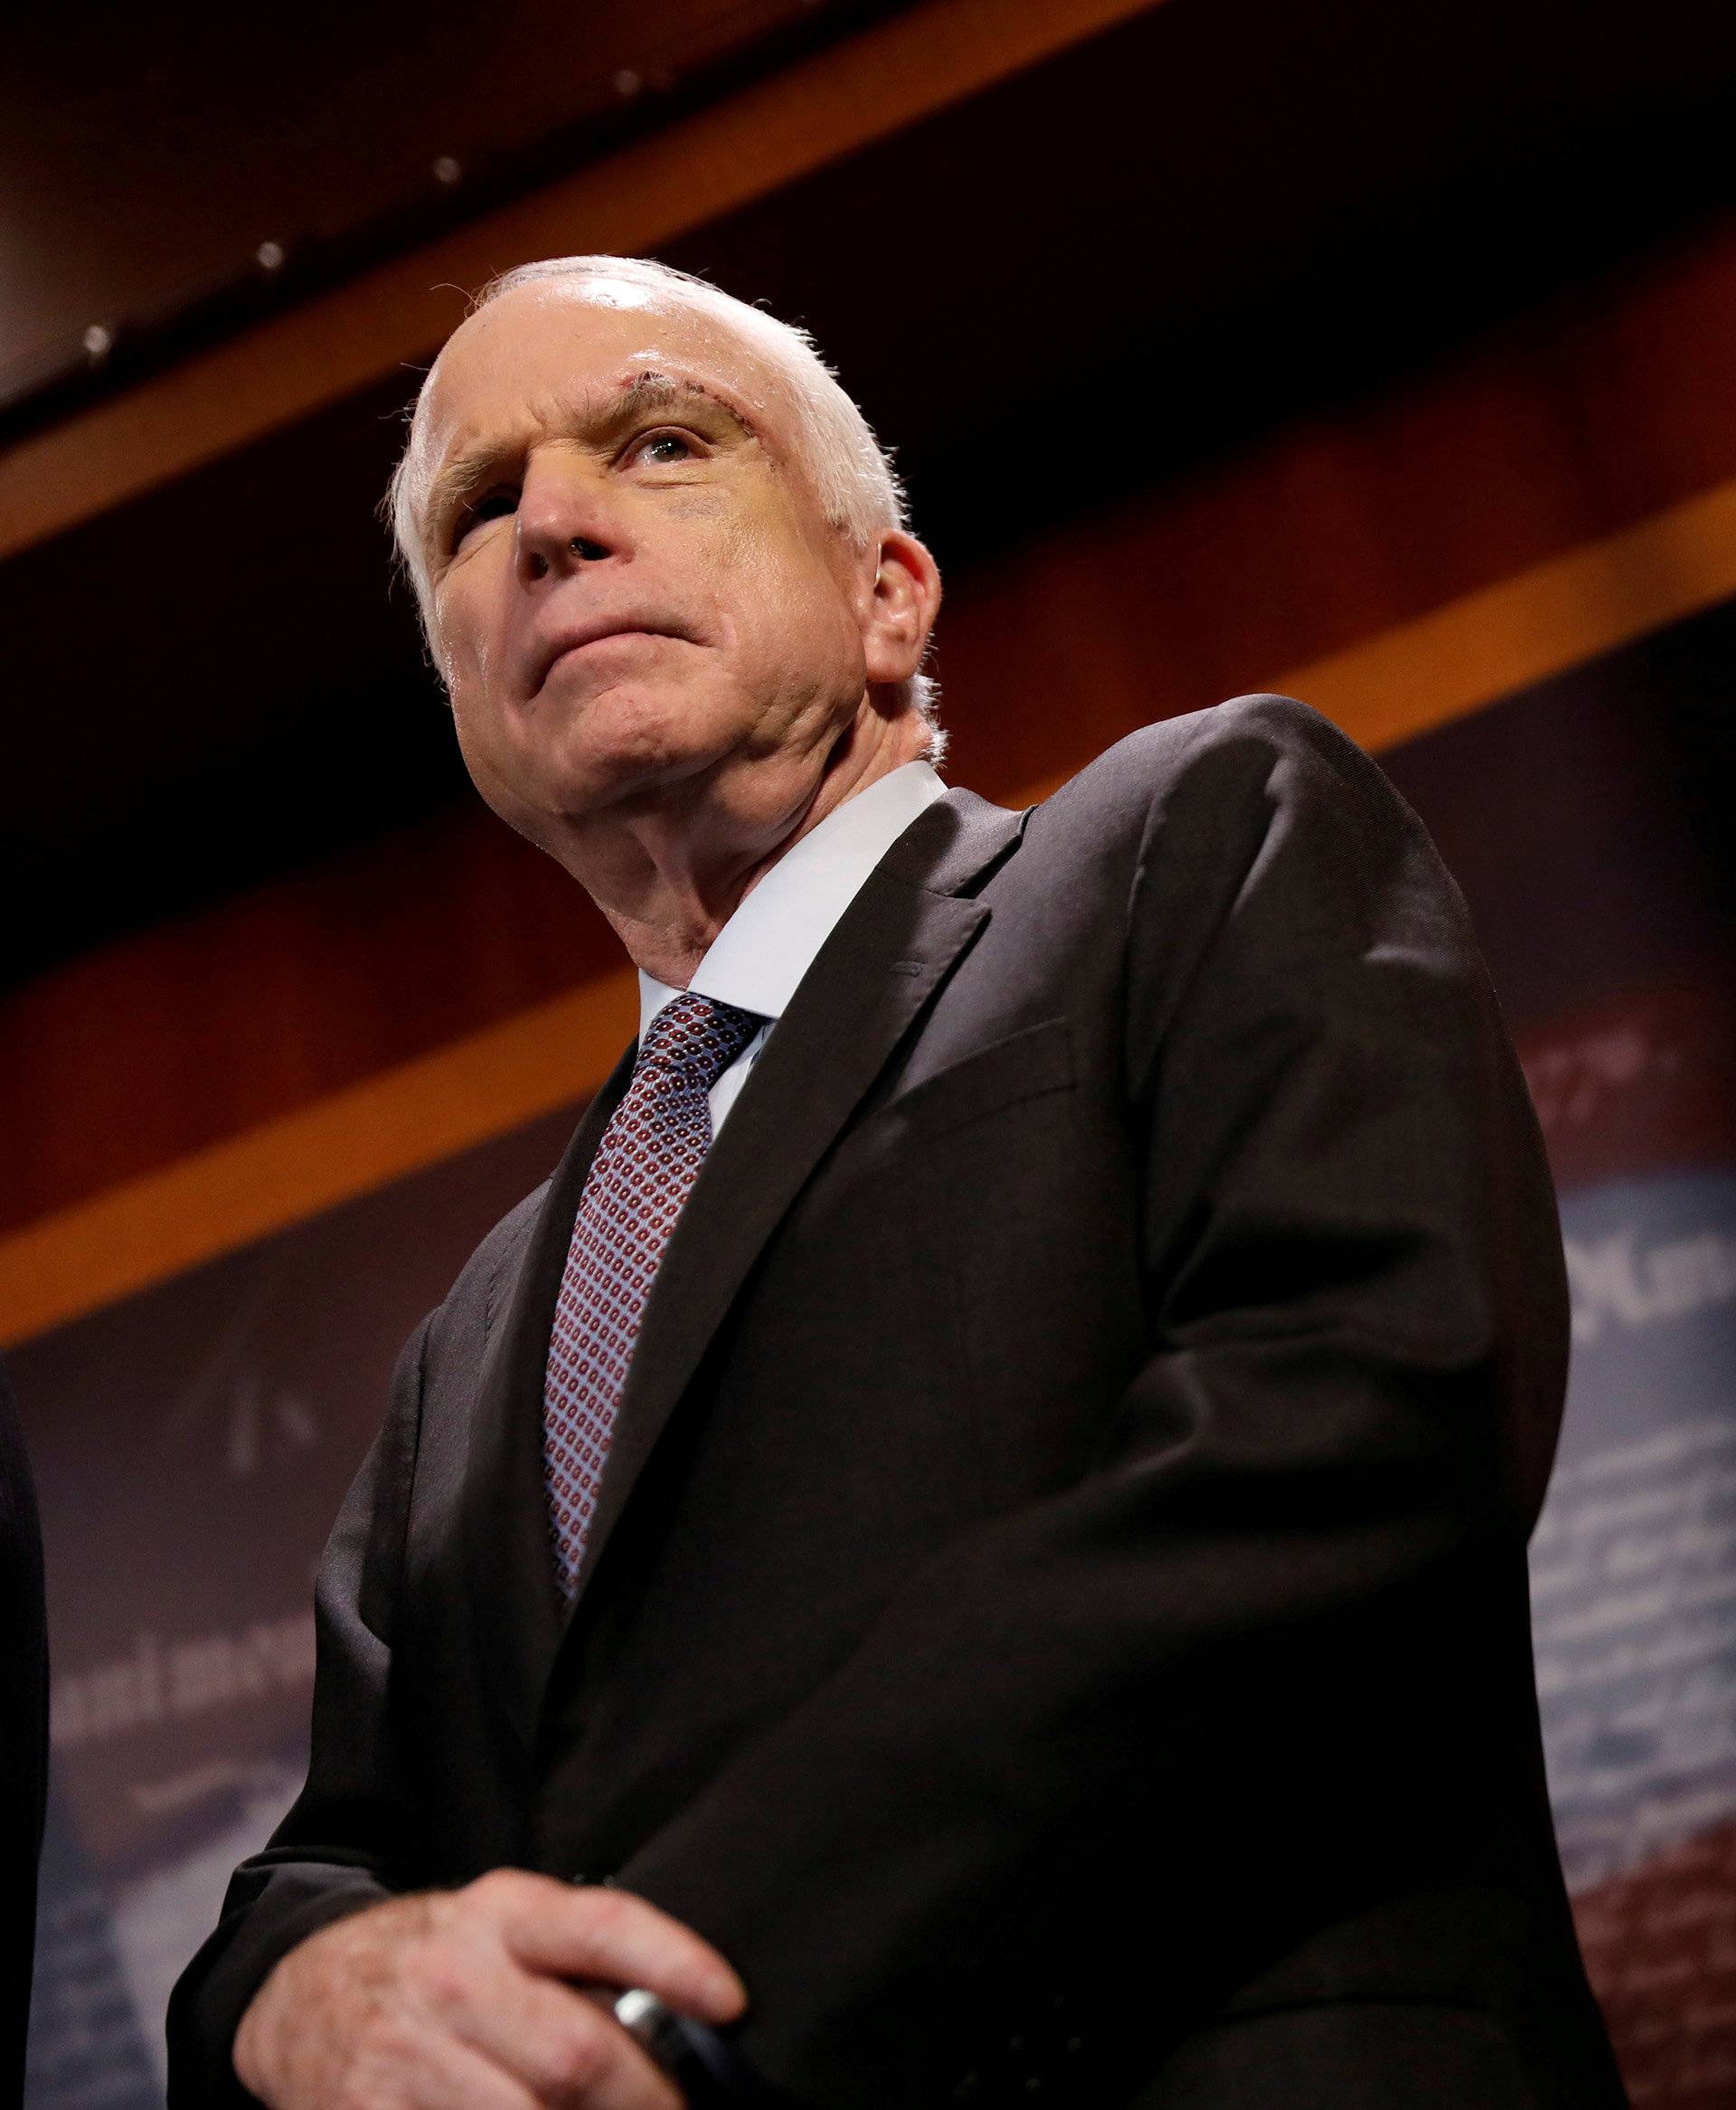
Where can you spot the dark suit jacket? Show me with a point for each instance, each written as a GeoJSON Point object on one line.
{"type": "Point", "coordinates": [23, 1740]}
{"type": "Point", "coordinates": [1057, 1608]}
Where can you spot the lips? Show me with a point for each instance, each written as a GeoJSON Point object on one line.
{"type": "Point", "coordinates": [574, 636]}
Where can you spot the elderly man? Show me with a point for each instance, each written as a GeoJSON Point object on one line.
{"type": "Point", "coordinates": [969, 1544]}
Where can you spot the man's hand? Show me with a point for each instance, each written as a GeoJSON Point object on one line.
{"type": "Point", "coordinates": [456, 2000]}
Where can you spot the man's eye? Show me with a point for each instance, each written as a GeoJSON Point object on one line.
{"type": "Point", "coordinates": [491, 505]}
{"type": "Point", "coordinates": [664, 449]}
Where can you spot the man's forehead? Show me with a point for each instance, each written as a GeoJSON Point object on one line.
{"type": "Point", "coordinates": [550, 342]}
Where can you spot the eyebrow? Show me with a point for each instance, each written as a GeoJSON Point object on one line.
{"type": "Point", "coordinates": [463, 477]}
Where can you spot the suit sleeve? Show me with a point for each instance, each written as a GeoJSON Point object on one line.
{"type": "Point", "coordinates": [1179, 1690]}
{"type": "Point", "coordinates": [336, 1851]}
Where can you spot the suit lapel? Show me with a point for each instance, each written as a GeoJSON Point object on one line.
{"type": "Point", "coordinates": [892, 949]}
{"type": "Point", "coordinates": [508, 1565]}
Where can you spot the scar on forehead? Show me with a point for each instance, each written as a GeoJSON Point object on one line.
{"type": "Point", "coordinates": [651, 388]}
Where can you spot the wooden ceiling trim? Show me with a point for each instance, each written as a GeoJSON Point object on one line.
{"type": "Point", "coordinates": [302, 1163]}
{"type": "Point", "coordinates": [818, 110]}
{"type": "Point", "coordinates": [1541, 623]}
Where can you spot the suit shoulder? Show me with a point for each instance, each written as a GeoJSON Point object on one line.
{"type": "Point", "coordinates": [1252, 733]}
{"type": "Point", "coordinates": [1226, 769]}
{"type": "Point", "coordinates": [1237, 769]}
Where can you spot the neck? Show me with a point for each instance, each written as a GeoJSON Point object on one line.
{"type": "Point", "coordinates": [674, 875]}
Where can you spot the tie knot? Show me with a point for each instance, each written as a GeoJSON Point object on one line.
{"type": "Point", "coordinates": [697, 1038]}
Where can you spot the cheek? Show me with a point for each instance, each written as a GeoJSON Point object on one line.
{"type": "Point", "coordinates": [465, 651]}
{"type": "Point", "coordinates": [475, 729]}
{"type": "Point", "coordinates": [792, 603]}
{"type": "Point", "coordinates": [466, 657]}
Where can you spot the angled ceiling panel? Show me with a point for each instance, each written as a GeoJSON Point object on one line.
{"type": "Point", "coordinates": [163, 170]}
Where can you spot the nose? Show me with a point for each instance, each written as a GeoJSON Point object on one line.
{"type": "Point", "coordinates": [565, 522]}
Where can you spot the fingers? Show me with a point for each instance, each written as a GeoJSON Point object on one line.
{"type": "Point", "coordinates": [455, 2078]}
{"type": "Point", "coordinates": [565, 2048]}
{"type": "Point", "coordinates": [618, 1938]}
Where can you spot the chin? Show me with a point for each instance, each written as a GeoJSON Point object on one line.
{"type": "Point", "coordinates": [622, 743]}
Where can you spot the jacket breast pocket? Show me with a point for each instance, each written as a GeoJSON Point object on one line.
{"type": "Point", "coordinates": [1028, 1064]}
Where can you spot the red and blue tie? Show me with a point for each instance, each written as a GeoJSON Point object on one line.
{"type": "Point", "coordinates": [644, 1169]}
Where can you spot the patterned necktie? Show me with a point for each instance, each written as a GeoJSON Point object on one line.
{"type": "Point", "coordinates": [646, 1165]}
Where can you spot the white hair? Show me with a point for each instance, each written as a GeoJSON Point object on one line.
{"type": "Point", "coordinates": [851, 473]}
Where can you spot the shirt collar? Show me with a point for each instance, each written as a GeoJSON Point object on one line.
{"type": "Point", "coordinates": [769, 944]}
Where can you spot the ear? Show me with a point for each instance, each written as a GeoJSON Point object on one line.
{"type": "Point", "coordinates": [898, 612]}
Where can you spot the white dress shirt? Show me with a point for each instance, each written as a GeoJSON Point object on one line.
{"type": "Point", "coordinates": [770, 941]}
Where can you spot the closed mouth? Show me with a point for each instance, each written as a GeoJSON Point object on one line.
{"type": "Point", "coordinates": [585, 639]}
